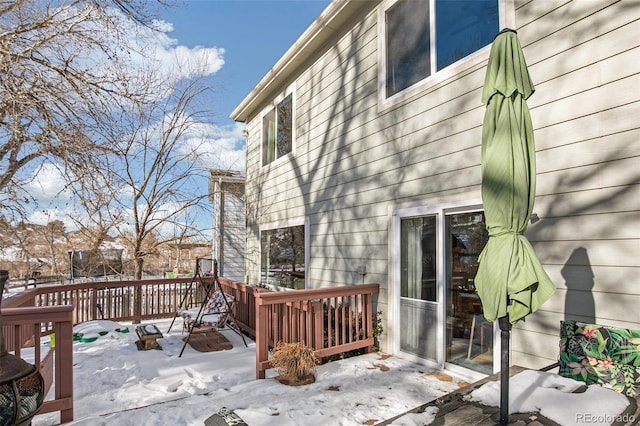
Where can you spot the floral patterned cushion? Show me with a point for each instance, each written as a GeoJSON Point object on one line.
{"type": "Point", "coordinates": [217, 304]}
{"type": "Point", "coordinates": [599, 354]}
{"type": "Point", "coordinates": [214, 314]}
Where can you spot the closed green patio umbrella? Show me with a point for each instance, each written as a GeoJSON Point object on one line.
{"type": "Point", "coordinates": [510, 281]}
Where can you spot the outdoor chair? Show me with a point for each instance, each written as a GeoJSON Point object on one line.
{"type": "Point", "coordinates": [482, 325]}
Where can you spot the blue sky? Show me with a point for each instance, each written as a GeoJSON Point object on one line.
{"type": "Point", "coordinates": [253, 33]}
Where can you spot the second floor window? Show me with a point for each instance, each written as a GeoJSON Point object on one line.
{"type": "Point", "coordinates": [418, 46]}
{"type": "Point", "coordinates": [277, 131]}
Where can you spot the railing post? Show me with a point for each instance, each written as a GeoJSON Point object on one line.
{"type": "Point", "coordinates": [262, 337]}
{"type": "Point", "coordinates": [318, 325]}
{"type": "Point", "coordinates": [137, 304]}
{"type": "Point", "coordinates": [64, 368]}
{"type": "Point", "coordinates": [94, 304]}
{"type": "Point", "coordinates": [368, 318]}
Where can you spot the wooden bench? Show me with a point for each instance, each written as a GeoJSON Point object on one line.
{"type": "Point", "coordinates": [148, 335]}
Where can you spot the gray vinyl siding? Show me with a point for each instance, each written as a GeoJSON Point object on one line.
{"type": "Point", "coordinates": [234, 236]}
{"type": "Point", "coordinates": [355, 161]}
{"type": "Point", "coordinates": [229, 222]}
{"type": "Point", "coordinates": [314, 184]}
{"type": "Point", "coordinates": [583, 57]}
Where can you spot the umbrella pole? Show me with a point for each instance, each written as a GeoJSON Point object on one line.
{"type": "Point", "coordinates": [505, 330]}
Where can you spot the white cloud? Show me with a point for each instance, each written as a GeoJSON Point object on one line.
{"type": "Point", "coordinates": [42, 217]}
{"type": "Point", "coordinates": [172, 59]}
{"type": "Point", "coordinates": [162, 26]}
{"type": "Point", "coordinates": [217, 147]}
{"type": "Point", "coordinates": [48, 183]}
{"type": "Point", "coordinates": [225, 148]}
{"type": "Point", "coordinates": [53, 201]}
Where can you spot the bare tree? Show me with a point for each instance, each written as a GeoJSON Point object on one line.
{"type": "Point", "coordinates": [161, 174]}
{"type": "Point", "coordinates": [187, 235]}
{"type": "Point", "coordinates": [23, 242]}
{"type": "Point", "coordinates": [98, 213]}
{"type": "Point", "coordinates": [63, 64]}
{"type": "Point", "coordinates": [51, 243]}
{"type": "Point", "coordinates": [125, 139]}
{"type": "Point", "coordinates": [35, 248]}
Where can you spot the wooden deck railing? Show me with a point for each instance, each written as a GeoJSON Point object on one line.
{"type": "Point", "coordinates": [331, 320]}
{"type": "Point", "coordinates": [33, 313]}
{"type": "Point", "coordinates": [21, 328]}
{"type": "Point", "coordinates": [245, 307]}
{"type": "Point", "coordinates": [116, 300]}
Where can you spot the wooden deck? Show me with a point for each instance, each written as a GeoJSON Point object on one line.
{"type": "Point", "coordinates": [454, 410]}
{"type": "Point", "coordinates": [330, 320]}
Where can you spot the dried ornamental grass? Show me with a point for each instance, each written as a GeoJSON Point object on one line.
{"type": "Point", "coordinates": [293, 360]}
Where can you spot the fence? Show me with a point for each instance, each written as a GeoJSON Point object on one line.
{"type": "Point", "coordinates": [33, 313]}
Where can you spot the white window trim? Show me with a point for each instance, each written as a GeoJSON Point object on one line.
{"type": "Point", "coordinates": [291, 90]}
{"type": "Point", "coordinates": [506, 12]}
{"type": "Point", "coordinates": [288, 224]}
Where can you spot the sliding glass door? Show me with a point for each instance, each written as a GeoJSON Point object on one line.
{"type": "Point", "coordinates": [418, 304]}
{"type": "Point", "coordinates": [439, 314]}
{"type": "Point", "coordinates": [469, 337]}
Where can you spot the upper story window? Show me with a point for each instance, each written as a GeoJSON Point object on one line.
{"type": "Point", "coordinates": [277, 131]}
{"type": "Point", "coordinates": [423, 37]}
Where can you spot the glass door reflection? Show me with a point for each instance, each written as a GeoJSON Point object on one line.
{"type": "Point", "coordinates": [469, 336]}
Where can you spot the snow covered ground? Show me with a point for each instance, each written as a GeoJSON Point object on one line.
{"type": "Point", "coordinates": [114, 383]}
{"type": "Point", "coordinates": [555, 398]}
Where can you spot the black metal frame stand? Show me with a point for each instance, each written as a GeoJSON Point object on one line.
{"type": "Point", "coordinates": [197, 276]}
{"type": "Point", "coordinates": [209, 289]}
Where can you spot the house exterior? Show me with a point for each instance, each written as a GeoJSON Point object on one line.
{"type": "Point", "coordinates": [364, 139]}
{"type": "Point", "coordinates": [226, 193]}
